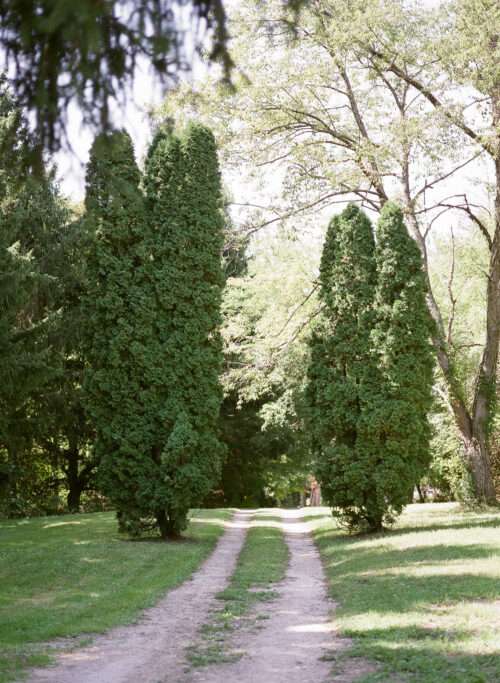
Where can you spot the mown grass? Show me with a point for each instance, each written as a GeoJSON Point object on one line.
{"type": "Point", "coordinates": [61, 577]}
{"type": "Point", "coordinates": [261, 564]}
{"type": "Point", "coordinates": [422, 600]}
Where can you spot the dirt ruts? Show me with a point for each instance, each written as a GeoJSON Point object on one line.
{"type": "Point", "coordinates": [295, 645]}
{"type": "Point", "coordinates": [297, 639]}
{"type": "Point", "coordinates": [152, 649]}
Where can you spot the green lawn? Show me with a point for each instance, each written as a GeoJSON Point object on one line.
{"type": "Point", "coordinates": [65, 576]}
{"type": "Point", "coordinates": [422, 600]}
{"type": "Point", "coordinates": [253, 580]}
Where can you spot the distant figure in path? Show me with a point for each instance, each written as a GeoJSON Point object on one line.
{"type": "Point", "coordinates": [315, 493]}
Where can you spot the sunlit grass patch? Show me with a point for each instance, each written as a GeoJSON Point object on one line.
{"type": "Point", "coordinates": [64, 576]}
{"type": "Point", "coordinates": [423, 599]}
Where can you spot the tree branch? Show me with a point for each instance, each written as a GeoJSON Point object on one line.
{"type": "Point", "coordinates": [390, 65]}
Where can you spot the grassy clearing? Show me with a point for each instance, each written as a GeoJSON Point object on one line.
{"type": "Point", "coordinates": [422, 600]}
{"type": "Point", "coordinates": [262, 563]}
{"type": "Point", "coordinates": [61, 577]}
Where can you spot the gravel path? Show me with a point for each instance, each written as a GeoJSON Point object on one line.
{"type": "Point", "coordinates": [298, 633]}
{"type": "Point", "coordinates": [295, 644]}
{"type": "Point", "coordinates": [152, 650]}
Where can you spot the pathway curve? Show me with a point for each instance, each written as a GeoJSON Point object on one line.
{"type": "Point", "coordinates": [152, 650]}
{"type": "Point", "coordinates": [292, 645]}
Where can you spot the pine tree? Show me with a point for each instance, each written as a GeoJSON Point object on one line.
{"type": "Point", "coordinates": [185, 201]}
{"type": "Point", "coordinates": [394, 423]}
{"type": "Point", "coordinates": [341, 365]}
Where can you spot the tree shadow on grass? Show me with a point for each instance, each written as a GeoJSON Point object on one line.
{"type": "Point", "coordinates": [423, 655]}
{"type": "Point", "coordinates": [438, 526]}
{"type": "Point", "coordinates": [374, 560]}
{"type": "Point", "coordinates": [342, 536]}
{"type": "Point", "coordinates": [180, 540]}
{"type": "Point", "coordinates": [447, 592]}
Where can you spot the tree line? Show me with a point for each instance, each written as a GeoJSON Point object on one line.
{"type": "Point", "coordinates": [395, 102]}
{"type": "Point", "coordinates": [111, 324]}
{"type": "Point", "coordinates": [110, 328]}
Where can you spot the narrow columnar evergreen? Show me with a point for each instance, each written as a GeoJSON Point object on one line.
{"type": "Point", "coordinates": [185, 203]}
{"type": "Point", "coordinates": [33, 220]}
{"type": "Point", "coordinates": [342, 364]}
{"type": "Point", "coordinates": [394, 428]}
{"type": "Point", "coordinates": [370, 376]}
{"type": "Point", "coordinates": [127, 382]}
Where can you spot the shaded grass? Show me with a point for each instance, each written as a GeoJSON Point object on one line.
{"type": "Point", "coordinates": [69, 575]}
{"type": "Point", "coordinates": [423, 600]}
{"type": "Point", "coordinates": [261, 564]}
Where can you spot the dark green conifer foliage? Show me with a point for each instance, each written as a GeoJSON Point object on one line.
{"type": "Point", "coordinates": [32, 220]}
{"type": "Point", "coordinates": [371, 370]}
{"type": "Point", "coordinates": [342, 363]}
{"type": "Point", "coordinates": [126, 385]}
{"type": "Point", "coordinates": [185, 202]}
{"type": "Point", "coordinates": [394, 420]}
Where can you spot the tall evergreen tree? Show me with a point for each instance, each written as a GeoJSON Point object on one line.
{"type": "Point", "coordinates": [394, 429]}
{"type": "Point", "coordinates": [126, 385]}
{"type": "Point", "coordinates": [342, 366]}
{"type": "Point", "coordinates": [32, 220]}
{"type": "Point", "coordinates": [185, 201]}
{"type": "Point", "coordinates": [155, 283]}
{"type": "Point", "coordinates": [371, 370]}
{"type": "Point", "coordinates": [65, 433]}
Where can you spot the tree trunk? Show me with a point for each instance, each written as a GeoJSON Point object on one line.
{"type": "Point", "coordinates": [161, 518]}
{"type": "Point", "coordinates": [375, 524]}
{"type": "Point", "coordinates": [73, 498]}
{"type": "Point", "coordinates": [472, 424]}
{"type": "Point", "coordinates": [75, 483]}
{"type": "Point", "coordinates": [167, 530]}
{"type": "Point", "coordinates": [478, 461]}
{"type": "Point", "coordinates": [472, 427]}
{"type": "Point", "coordinates": [486, 380]}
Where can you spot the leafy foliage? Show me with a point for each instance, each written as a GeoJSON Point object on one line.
{"type": "Point", "coordinates": [266, 312]}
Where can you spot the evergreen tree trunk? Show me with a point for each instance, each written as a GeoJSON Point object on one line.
{"type": "Point", "coordinates": [75, 482]}
{"type": "Point", "coordinates": [162, 521]}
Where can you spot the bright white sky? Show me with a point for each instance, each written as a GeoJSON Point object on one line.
{"type": "Point", "coordinates": [147, 94]}
{"type": "Point", "coordinates": [134, 118]}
